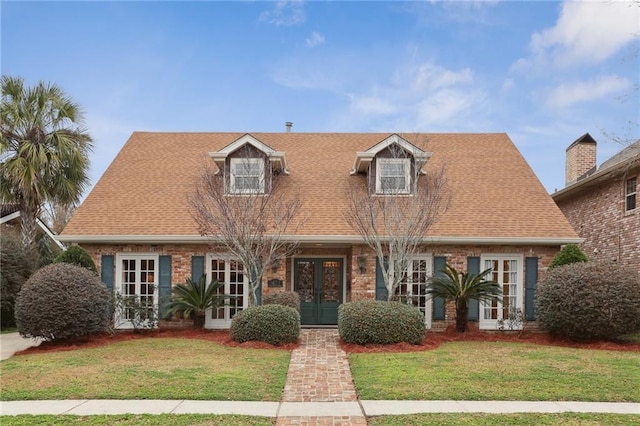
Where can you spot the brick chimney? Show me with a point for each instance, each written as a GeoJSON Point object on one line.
{"type": "Point", "coordinates": [580, 159]}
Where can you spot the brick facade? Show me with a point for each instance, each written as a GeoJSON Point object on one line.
{"type": "Point", "coordinates": [359, 285]}
{"type": "Point", "coordinates": [598, 215]}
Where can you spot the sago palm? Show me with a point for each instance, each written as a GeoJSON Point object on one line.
{"type": "Point", "coordinates": [195, 298]}
{"type": "Point", "coordinates": [43, 150]}
{"type": "Point", "coordinates": [461, 287]}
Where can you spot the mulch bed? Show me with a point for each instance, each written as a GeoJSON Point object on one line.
{"type": "Point", "coordinates": [432, 340]}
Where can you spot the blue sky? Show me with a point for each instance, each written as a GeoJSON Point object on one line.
{"type": "Point", "coordinates": [543, 72]}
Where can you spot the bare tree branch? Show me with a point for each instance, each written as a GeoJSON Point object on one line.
{"type": "Point", "coordinates": [394, 224]}
{"type": "Point", "coordinates": [251, 216]}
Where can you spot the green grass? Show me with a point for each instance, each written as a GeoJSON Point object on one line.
{"type": "Point", "coordinates": [8, 330]}
{"type": "Point", "coordinates": [138, 419]}
{"type": "Point", "coordinates": [153, 368]}
{"type": "Point", "coordinates": [563, 419]}
{"type": "Point", "coordinates": [499, 371]}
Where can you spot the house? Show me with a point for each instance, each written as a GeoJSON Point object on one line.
{"type": "Point", "coordinates": [137, 225]}
{"type": "Point", "coordinates": [602, 203]}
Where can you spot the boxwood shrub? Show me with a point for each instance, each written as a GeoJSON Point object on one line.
{"type": "Point", "coordinates": [76, 255]}
{"type": "Point", "coordinates": [569, 254]}
{"type": "Point", "coordinates": [273, 324]}
{"type": "Point", "coordinates": [62, 301]}
{"type": "Point", "coordinates": [589, 301]}
{"type": "Point", "coordinates": [375, 321]}
{"type": "Point", "coordinates": [286, 298]}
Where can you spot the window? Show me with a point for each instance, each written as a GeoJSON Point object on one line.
{"type": "Point", "coordinates": [412, 289]}
{"type": "Point", "coordinates": [247, 175]}
{"type": "Point", "coordinates": [630, 194]}
{"type": "Point", "coordinates": [137, 282]}
{"type": "Point", "coordinates": [231, 274]}
{"type": "Point", "coordinates": [507, 271]}
{"type": "Point", "coordinates": [393, 176]}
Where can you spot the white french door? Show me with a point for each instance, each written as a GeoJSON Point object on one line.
{"type": "Point", "coordinates": [507, 271]}
{"type": "Point", "coordinates": [137, 286]}
{"type": "Point", "coordinates": [412, 289]}
{"type": "Point", "coordinates": [236, 284]}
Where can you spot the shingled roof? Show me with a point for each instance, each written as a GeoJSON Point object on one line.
{"type": "Point", "coordinates": [495, 196]}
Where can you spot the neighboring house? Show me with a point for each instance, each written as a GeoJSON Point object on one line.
{"type": "Point", "coordinates": [136, 223]}
{"type": "Point", "coordinates": [603, 204]}
{"type": "Point", "coordinates": [11, 212]}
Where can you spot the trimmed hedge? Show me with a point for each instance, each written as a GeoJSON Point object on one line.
{"type": "Point", "coordinates": [273, 324]}
{"type": "Point", "coordinates": [285, 298]}
{"type": "Point", "coordinates": [63, 301]}
{"type": "Point", "coordinates": [375, 321]}
{"type": "Point", "coordinates": [589, 301]}
{"type": "Point", "coordinates": [569, 254]}
{"type": "Point", "coordinates": [76, 255]}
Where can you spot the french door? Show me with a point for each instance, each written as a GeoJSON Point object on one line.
{"type": "Point", "coordinates": [137, 286]}
{"type": "Point", "coordinates": [319, 282]}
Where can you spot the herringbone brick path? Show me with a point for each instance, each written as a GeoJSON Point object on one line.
{"type": "Point", "coordinates": [319, 372]}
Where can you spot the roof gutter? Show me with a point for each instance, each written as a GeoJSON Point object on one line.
{"type": "Point", "coordinates": [313, 239]}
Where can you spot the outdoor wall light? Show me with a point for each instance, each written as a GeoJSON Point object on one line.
{"type": "Point", "coordinates": [362, 263]}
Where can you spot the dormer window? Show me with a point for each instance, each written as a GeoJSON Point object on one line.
{"type": "Point", "coordinates": [247, 176]}
{"type": "Point", "coordinates": [393, 176]}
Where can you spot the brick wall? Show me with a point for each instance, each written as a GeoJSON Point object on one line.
{"type": "Point", "coordinates": [359, 285]}
{"type": "Point", "coordinates": [598, 216]}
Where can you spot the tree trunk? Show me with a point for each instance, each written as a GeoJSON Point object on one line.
{"type": "Point", "coordinates": [29, 226]}
{"type": "Point", "coordinates": [462, 310]}
{"type": "Point", "coordinates": [198, 319]}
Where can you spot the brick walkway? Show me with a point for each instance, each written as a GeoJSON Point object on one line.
{"type": "Point", "coordinates": [319, 372]}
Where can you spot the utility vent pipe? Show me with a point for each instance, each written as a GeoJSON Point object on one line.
{"type": "Point", "coordinates": [288, 125]}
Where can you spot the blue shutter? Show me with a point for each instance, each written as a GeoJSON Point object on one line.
{"type": "Point", "coordinates": [381, 289]}
{"type": "Point", "coordinates": [106, 271]}
{"type": "Point", "coordinates": [197, 267]}
{"type": "Point", "coordinates": [530, 284]}
{"type": "Point", "coordinates": [439, 303]}
{"type": "Point", "coordinates": [473, 267]}
{"type": "Point", "coordinates": [164, 281]}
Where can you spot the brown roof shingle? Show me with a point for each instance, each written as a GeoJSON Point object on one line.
{"type": "Point", "coordinates": [494, 192]}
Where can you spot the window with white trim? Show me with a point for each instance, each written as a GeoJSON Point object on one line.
{"type": "Point", "coordinates": [506, 270]}
{"type": "Point", "coordinates": [393, 175]}
{"type": "Point", "coordinates": [412, 289]}
{"type": "Point", "coordinates": [247, 176]}
{"type": "Point", "coordinates": [230, 273]}
{"type": "Point", "coordinates": [136, 281]}
{"type": "Point", "coordinates": [630, 194]}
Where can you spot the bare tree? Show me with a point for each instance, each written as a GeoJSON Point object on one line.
{"type": "Point", "coordinates": [251, 211]}
{"type": "Point", "coordinates": [392, 219]}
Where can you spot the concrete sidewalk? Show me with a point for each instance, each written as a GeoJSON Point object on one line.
{"type": "Point", "coordinates": [315, 409]}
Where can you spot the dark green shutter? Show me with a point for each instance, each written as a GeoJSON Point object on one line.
{"type": "Point", "coordinates": [197, 267]}
{"type": "Point", "coordinates": [164, 287]}
{"type": "Point", "coordinates": [106, 271]}
{"type": "Point", "coordinates": [381, 289]}
{"type": "Point", "coordinates": [473, 267]}
{"type": "Point", "coordinates": [530, 284]}
{"type": "Point", "coordinates": [439, 303]}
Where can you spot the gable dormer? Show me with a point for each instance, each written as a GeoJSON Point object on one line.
{"type": "Point", "coordinates": [248, 165]}
{"type": "Point", "coordinates": [392, 166]}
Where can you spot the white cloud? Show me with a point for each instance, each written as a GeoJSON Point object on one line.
{"type": "Point", "coordinates": [585, 33]}
{"type": "Point", "coordinates": [584, 91]}
{"type": "Point", "coordinates": [315, 39]}
{"type": "Point", "coordinates": [284, 13]}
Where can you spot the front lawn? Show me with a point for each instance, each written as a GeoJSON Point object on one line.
{"type": "Point", "coordinates": [138, 419]}
{"type": "Point", "coordinates": [455, 419]}
{"type": "Point", "coordinates": [499, 371]}
{"type": "Point", "coordinates": [151, 368]}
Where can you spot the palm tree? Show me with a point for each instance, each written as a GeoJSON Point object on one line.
{"type": "Point", "coordinates": [461, 287]}
{"type": "Point", "coordinates": [194, 298]}
{"type": "Point", "coordinates": [43, 150]}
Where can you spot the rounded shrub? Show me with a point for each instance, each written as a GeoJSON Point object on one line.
{"type": "Point", "coordinates": [76, 255]}
{"type": "Point", "coordinates": [375, 321]}
{"type": "Point", "coordinates": [62, 301]}
{"type": "Point", "coordinates": [273, 324]}
{"type": "Point", "coordinates": [589, 301]}
{"type": "Point", "coordinates": [285, 298]}
{"type": "Point", "coordinates": [569, 254]}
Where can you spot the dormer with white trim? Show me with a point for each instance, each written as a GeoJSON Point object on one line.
{"type": "Point", "coordinates": [248, 165]}
{"type": "Point", "coordinates": [392, 166]}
